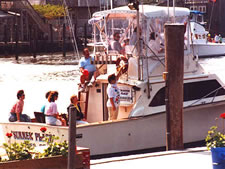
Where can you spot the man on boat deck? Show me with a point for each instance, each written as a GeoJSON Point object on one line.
{"type": "Point", "coordinates": [154, 44]}
{"type": "Point", "coordinates": [115, 45]}
{"type": "Point", "coordinates": [113, 93]}
{"type": "Point", "coordinates": [88, 70]}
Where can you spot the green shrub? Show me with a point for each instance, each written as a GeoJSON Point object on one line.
{"type": "Point", "coordinates": [50, 11]}
{"type": "Point", "coordinates": [25, 150]}
{"type": "Point", "coordinates": [19, 151]}
{"type": "Point", "coordinates": [214, 138]}
{"type": "Point", "coordinates": [55, 148]}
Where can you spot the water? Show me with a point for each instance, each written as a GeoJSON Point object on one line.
{"type": "Point", "coordinates": [214, 65]}
{"type": "Point", "coordinates": [35, 80]}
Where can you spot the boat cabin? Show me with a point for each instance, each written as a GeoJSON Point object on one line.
{"type": "Point", "coordinates": [142, 86]}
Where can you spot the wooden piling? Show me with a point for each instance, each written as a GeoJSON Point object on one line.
{"type": "Point", "coordinates": [35, 42]}
{"type": "Point", "coordinates": [51, 37]}
{"type": "Point", "coordinates": [6, 39]}
{"type": "Point", "coordinates": [72, 138]}
{"type": "Point", "coordinates": [16, 42]}
{"type": "Point", "coordinates": [85, 35]}
{"type": "Point", "coordinates": [64, 40]}
{"type": "Point", "coordinates": [30, 39]}
{"type": "Point", "coordinates": [174, 58]}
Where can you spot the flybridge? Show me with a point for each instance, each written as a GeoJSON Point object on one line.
{"type": "Point", "coordinates": [146, 10]}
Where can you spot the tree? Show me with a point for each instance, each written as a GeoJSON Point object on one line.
{"type": "Point", "coordinates": [50, 11]}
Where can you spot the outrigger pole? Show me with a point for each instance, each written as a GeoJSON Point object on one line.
{"type": "Point", "coordinates": [134, 5]}
{"type": "Point", "coordinates": [174, 4]}
{"type": "Point", "coordinates": [138, 42]}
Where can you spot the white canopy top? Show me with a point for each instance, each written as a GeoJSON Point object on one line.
{"type": "Point", "coordinates": [148, 11]}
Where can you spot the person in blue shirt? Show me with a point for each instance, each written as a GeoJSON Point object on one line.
{"type": "Point", "coordinates": [43, 107]}
{"type": "Point", "coordinates": [88, 70]}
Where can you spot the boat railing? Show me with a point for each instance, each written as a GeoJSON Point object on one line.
{"type": "Point", "coordinates": [206, 96]}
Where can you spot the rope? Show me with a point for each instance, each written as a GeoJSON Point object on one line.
{"type": "Point", "coordinates": [88, 8]}
{"type": "Point", "coordinates": [71, 28]}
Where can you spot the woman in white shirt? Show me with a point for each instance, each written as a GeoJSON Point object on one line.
{"type": "Point", "coordinates": [51, 111]}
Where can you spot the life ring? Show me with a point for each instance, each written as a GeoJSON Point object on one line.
{"type": "Point", "coordinates": [122, 63]}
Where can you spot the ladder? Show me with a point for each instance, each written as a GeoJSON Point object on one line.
{"type": "Point", "coordinates": [83, 98]}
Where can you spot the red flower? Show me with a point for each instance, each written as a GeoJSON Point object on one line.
{"type": "Point", "coordinates": [43, 129]}
{"type": "Point", "coordinates": [222, 116]}
{"type": "Point", "coordinates": [9, 135]}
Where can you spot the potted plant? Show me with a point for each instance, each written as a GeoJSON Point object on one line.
{"type": "Point", "coordinates": [215, 141]}
{"type": "Point", "coordinates": [23, 155]}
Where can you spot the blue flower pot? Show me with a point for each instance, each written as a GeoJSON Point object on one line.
{"type": "Point", "coordinates": [218, 157]}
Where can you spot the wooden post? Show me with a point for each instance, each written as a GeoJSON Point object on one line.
{"type": "Point", "coordinates": [174, 58]}
{"type": "Point", "coordinates": [30, 39]}
{"type": "Point", "coordinates": [21, 26]}
{"type": "Point", "coordinates": [51, 37]}
{"type": "Point", "coordinates": [6, 39]}
{"type": "Point", "coordinates": [75, 30]}
{"type": "Point", "coordinates": [16, 42]}
{"type": "Point", "coordinates": [72, 138]}
{"type": "Point", "coordinates": [138, 44]}
{"type": "Point", "coordinates": [64, 40]}
{"type": "Point", "coordinates": [35, 42]}
{"type": "Point", "coordinates": [85, 35]}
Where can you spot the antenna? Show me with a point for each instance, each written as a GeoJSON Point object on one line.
{"type": "Point", "coordinates": [168, 6]}
{"type": "Point", "coordinates": [174, 4]}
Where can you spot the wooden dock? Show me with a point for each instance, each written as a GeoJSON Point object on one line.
{"type": "Point", "coordinates": [194, 158]}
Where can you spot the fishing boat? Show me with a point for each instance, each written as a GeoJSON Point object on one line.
{"type": "Point", "coordinates": [200, 45]}
{"type": "Point", "coordinates": [141, 123]}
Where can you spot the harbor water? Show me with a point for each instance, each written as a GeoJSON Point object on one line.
{"type": "Point", "coordinates": [36, 78]}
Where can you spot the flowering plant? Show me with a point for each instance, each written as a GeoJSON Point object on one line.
{"type": "Point", "coordinates": [9, 135]}
{"type": "Point", "coordinates": [215, 138]}
{"type": "Point", "coordinates": [43, 129]}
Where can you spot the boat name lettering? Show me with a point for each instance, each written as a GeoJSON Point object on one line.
{"type": "Point", "coordinates": [23, 135]}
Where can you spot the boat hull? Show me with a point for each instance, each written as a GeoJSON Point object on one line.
{"type": "Point", "coordinates": [124, 135]}
{"type": "Point", "coordinates": [209, 49]}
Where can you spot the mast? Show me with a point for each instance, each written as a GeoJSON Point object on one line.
{"type": "Point", "coordinates": [138, 42]}
{"type": "Point", "coordinates": [168, 5]}
{"type": "Point", "coordinates": [174, 4]}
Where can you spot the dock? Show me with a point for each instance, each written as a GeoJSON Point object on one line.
{"type": "Point", "coordinates": [192, 158]}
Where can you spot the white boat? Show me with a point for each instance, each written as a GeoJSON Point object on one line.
{"type": "Point", "coordinates": [200, 45]}
{"type": "Point", "coordinates": [141, 123]}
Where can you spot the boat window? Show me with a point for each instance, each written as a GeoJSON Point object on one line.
{"type": "Point", "coordinates": [192, 91]}
{"type": "Point", "coordinates": [155, 34]}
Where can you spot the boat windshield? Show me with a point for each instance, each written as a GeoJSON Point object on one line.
{"type": "Point", "coordinates": [197, 16]}
{"type": "Point", "coordinates": [126, 28]}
